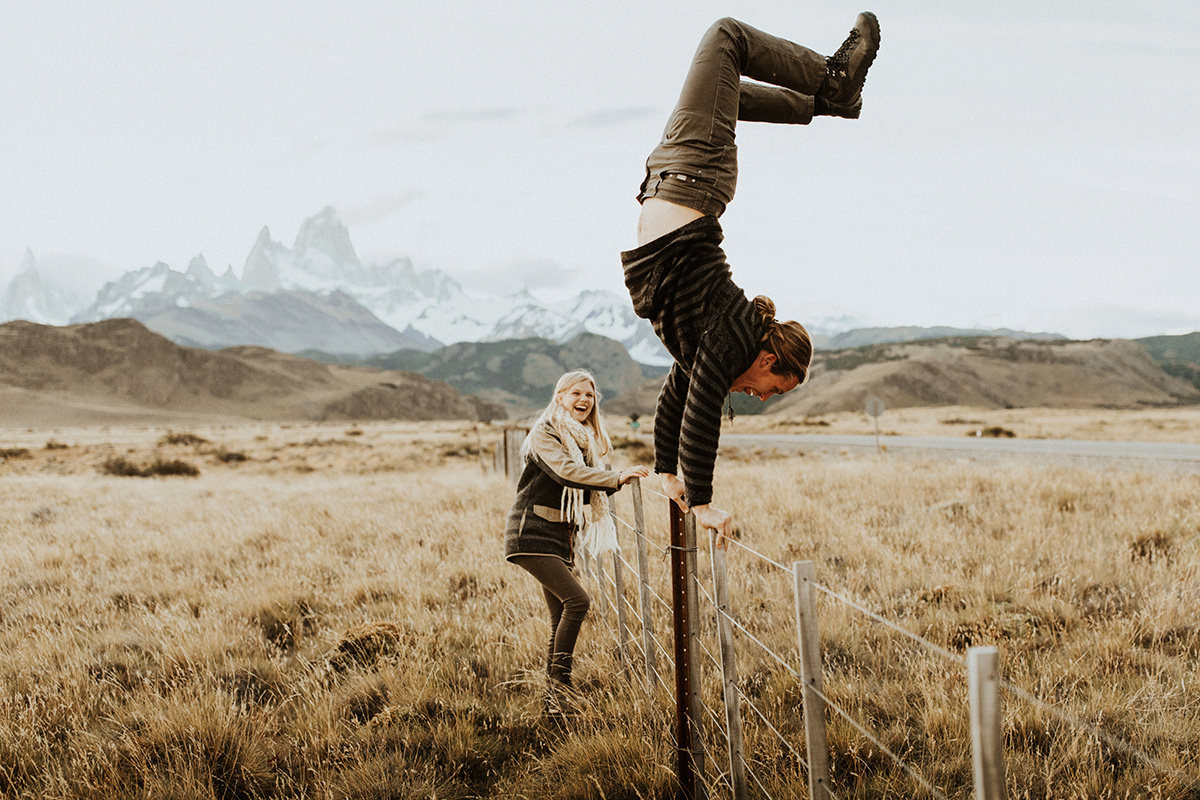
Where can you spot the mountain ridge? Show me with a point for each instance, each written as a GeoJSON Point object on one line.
{"type": "Point", "coordinates": [426, 308]}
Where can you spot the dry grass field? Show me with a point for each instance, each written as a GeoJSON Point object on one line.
{"type": "Point", "coordinates": [1175, 424]}
{"type": "Point", "coordinates": [323, 611]}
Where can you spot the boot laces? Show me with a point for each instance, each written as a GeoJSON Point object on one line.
{"type": "Point", "coordinates": [838, 63]}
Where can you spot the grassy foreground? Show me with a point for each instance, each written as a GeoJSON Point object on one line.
{"type": "Point", "coordinates": [323, 612]}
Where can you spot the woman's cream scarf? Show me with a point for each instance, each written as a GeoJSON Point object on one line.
{"type": "Point", "coordinates": [599, 533]}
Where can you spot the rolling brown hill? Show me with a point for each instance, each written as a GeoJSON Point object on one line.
{"type": "Point", "coordinates": [118, 370]}
{"type": "Point", "coordinates": [989, 372]}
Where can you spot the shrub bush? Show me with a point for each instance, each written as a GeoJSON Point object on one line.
{"type": "Point", "coordinates": [118, 465]}
{"type": "Point", "coordinates": [172, 467]}
{"type": "Point", "coordinates": [189, 439]}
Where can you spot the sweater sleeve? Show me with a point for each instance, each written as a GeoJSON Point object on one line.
{"type": "Point", "coordinates": [668, 416]}
{"type": "Point", "coordinates": [552, 457]}
{"type": "Point", "coordinates": [700, 431]}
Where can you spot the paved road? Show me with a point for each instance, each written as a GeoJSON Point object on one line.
{"type": "Point", "coordinates": [1136, 454]}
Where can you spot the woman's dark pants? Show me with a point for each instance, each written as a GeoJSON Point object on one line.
{"type": "Point", "coordinates": [568, 604]}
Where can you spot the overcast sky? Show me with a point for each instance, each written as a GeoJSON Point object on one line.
{"type": "Point", "coordinates": [1025, 164]}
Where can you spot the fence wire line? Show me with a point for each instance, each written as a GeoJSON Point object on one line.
{"type": "Point", "coordinates": [1065, 716]}
{"type": "Point", "coordinates": [659, 598]}
{"type": "Point", "coordinates": [666, 654]}
{"type": "Point", "coordinates": [761, 788]}
{"type": "Point", "coordinates": [752, 551]}
{"type": "Point", "coordinates": [653, 491]}
{"type": "Point", "coordinates": [717, 722]}
{"type": "Point", "coordinates": [638, 644]}
{"type": "Point", "coordinates": [765, 649]}
{"type": "Point", "coordinates": [639, 534]}
{"type": "Point", "coordinates": [1104, 736]}
{"type": "Point", "coordinates": [937, 648]}
{"type": "Point", "coordinates": [899, 762]}
{"type": "Point", "coordinates": [632, 610]}
{"type": "Point", "coordinates": [754, 707]}
{"type": "Point", "coordinates": [716, 661]}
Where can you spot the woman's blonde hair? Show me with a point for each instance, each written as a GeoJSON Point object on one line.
{"type": "Point", "coordinates": [593, 420]}
{"type": "Point", "coordinates": [788, 341]}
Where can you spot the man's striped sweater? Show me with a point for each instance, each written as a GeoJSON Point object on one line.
{"type": "Point", "coordinates": [683, 285]}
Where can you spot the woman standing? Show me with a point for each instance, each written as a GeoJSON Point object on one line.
{"type": "Point", "coordinates": [678, 277]}
{"type": "Point", "coordinates": [562, 500]}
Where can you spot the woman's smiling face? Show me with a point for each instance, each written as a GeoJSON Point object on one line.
{"type": "Point", "coordinates": [578, 400]}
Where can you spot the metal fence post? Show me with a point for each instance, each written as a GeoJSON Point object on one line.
{"type": "Point", "coordinates": [683, 602]}
{"type": "Point", "coordinates": [987, 739]}
{"type": "Point", "coordinates": [648, 645]}
{"type": "Point", "coordinates": [733, 703]}
{"type": "Point", "coordinates": [694, 649]}
{"type": "Point", "coordinates": [809, 636]}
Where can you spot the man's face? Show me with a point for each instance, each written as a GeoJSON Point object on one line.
{"type": "Point", "coordinates": [760, 382]}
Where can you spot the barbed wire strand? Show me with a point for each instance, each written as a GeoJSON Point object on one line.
{"type": "Point", "coordinates": [937, 648]}
{"type": "Point", "coordinates": [929, 787]}
{"type": "Point", "coordinates": [1109, 739]}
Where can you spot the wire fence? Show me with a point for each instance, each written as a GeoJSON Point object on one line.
{"type": "Point", "coordinates": [774, 744]}
{"type": "Point", "coordinates": [757, 761]}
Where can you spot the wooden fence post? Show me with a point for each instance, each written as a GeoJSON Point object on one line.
{"type": "Point", "coordinates": [513, 437]}
{"type": "Point", "coordinates": [648, 644]}
{"type": "Point", "coordinates": [683, 601]}
{"type": "Point", "coordinates": [809, 636]}
{"type": "Point", "coordinates": [597, 567]}
{"type": "Point", "coordinates": [733, 701]}
{"type": "Point", "coordinates": [987, 739]}
{"type": "Point", "coordinates": [622, 618]}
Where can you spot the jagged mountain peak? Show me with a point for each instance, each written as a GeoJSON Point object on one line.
{"type": "Point", "coordinates": [426, 304]}
{"type": "Point", "coordinates": [199, 265]}
{"type": "Point", "coordinates": [324, 235]}
{"type": "Point", "coordinates": [28, 262]}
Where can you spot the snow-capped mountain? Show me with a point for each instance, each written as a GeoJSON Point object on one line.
{"type": "Point", "coordinates": [30, 296]}
{"type": "Point", "coordinates": [154, 290]}
{"type": "Point", "coordinates": [427, 307]}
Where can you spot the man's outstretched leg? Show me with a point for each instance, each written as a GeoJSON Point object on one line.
{"type": "Point", "coordinates": [695, 164]}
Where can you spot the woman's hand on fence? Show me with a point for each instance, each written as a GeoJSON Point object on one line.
{"type": "Point", "coordinates": [674, 489]}
{"type": "Point", "coordinates": [633, 472]}
{"type": "Point", "coordinates": [717, 519]}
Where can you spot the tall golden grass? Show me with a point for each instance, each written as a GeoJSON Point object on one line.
{"type": "Point", "coordinates": [330, 616]}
